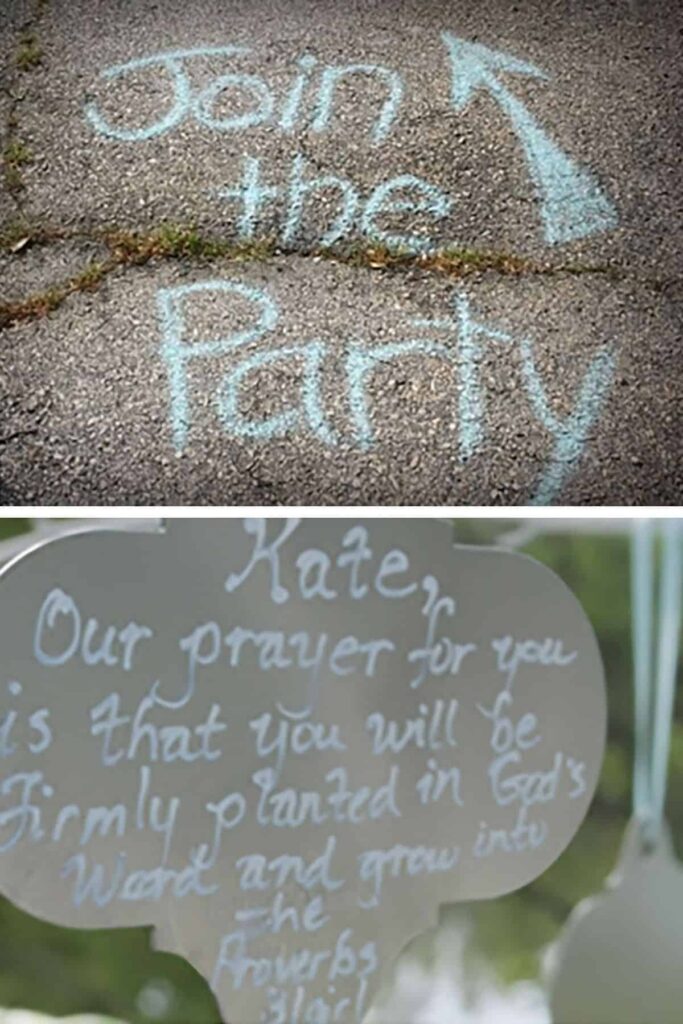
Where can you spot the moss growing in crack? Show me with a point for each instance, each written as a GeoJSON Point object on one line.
{"type": "Point", "coordinates": [15, 156]}
{"type": "Point", "coordinates": [127, 248]}
{"type": "Point", "coordinates": [172, 241]}
{"type": "Point", "coordinates": [18, 153]}
{"type": "Point", "coordinates": [12, 234]}
{"type": "Point", "coordinates": [137, 247]}
{"type": "Point", "coordinates": [22, 233]}
{"type": "Point", "coordinates": [377, 255]}
{"type": "Point", "coordinates": [455, 262]}
{"type": "Point", "coordinates": [30, 52]}
{"type": "Point", "coordinates": [42, 303]}
{"type": "Point", "coordinates": [178, 241]}
{"type": "Point", "coordinates": [459, 262]}
{"type": "Point", "coordinates": [91, 277]}
{"type": "Point", "coordinates": [13, 180]}
{"type": "Point", "coordinates": [578, 269]}
{"type": "Point", "coordinates": [254, 251]}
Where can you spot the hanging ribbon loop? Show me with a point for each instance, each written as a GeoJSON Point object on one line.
{"type": "Point", "coordinates": [654, 680]}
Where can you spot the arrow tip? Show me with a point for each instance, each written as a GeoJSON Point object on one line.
{"type": "Point", "coordinates": [474, 65]}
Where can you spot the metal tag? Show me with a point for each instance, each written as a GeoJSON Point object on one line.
{"type": "Point", "coordinates": [621, 957]}
{"type": "Point", "coordinates": [285, 744]}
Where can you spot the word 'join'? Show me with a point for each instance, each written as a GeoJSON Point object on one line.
{"type": "Point", "coordinates": [253, 100]}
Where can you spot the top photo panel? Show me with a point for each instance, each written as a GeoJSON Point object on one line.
{"type": "Point", "coordinates": [341, 252]}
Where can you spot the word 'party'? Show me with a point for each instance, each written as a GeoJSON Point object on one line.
{"type": "Point", "coordinates": [461, 341]}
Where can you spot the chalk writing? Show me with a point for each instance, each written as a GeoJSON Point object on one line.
{"type": "Point", "coordinates": [403, 194]}
{"type": "Point", "coordinates": [461, 341]}
{"type": "Point", "coordinates": [248, 745]}
{"type": "Point", "coordinates": [178, 355]}
{"type": "Point", "coordinates": [572, 204]}
{"type": "Point", "coordinates": [266, 107]}
{"type": "Point", "coordinates": [220, 92]}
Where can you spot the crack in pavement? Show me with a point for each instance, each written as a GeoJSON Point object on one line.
{"type": "Point", "coordinates": [111, 400]}
{"type": "Point", "coordinates": [138, 246]}
{"type": "Point", "coordinates": [134, 248]}
{"type": "Point", "coordinates": [16, 154]}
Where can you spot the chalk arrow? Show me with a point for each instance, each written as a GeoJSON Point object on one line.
{"type": "Point", "coordinates": [572, 203]}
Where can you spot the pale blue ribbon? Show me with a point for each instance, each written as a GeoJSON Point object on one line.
{"type": "Point", "coordinates": [655, 665]}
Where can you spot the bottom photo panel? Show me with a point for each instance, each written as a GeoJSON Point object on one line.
{"type": "Point", "coordinates": [341, 770]}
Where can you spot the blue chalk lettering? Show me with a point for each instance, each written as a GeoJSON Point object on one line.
{"type": "Point", "coordinates": [360, 362]}
{"type": "Point", "coordinates": [433, 325]}
{"type": "Point", "coordinates": [252, 83]}
{"type": "Point", "coordinates": [227, 400]}
{"type": "Point", "coordinates": [177, 354]}
{"type": "Point", "coordinates": [470, 352]}
{"type": "Point", "coordinates": [328, 85]}
{"type": "Point", "coordinates": [299, 189]}
{"type": "Point", "coordinates": [432, 200]}
{"type": "Point", "coordinates": [251, 195]}
{"type": "Point", "coordinates": [572, 203]}
{"type": "Point", "coordinates": [465, 351]}
{"type": "Point", "coordinates": [570, 435]}
{"type": "Point", "coordinates": [471, 403]}
{"type": "Point", "coordinates": [171, 62]}
{"type": "Point", "coordinates": [290, 110]}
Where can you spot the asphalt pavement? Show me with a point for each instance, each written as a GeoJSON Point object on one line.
{"type": "Point", "coordinates": [341, 253]}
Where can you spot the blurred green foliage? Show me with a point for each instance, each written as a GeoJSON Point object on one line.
{"type": "Point", "coordinates": [511, 932]}
{"type": "Point", "coordinates": [13, 527]}
{"type": "Point", "coordinates": [62, 971]}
